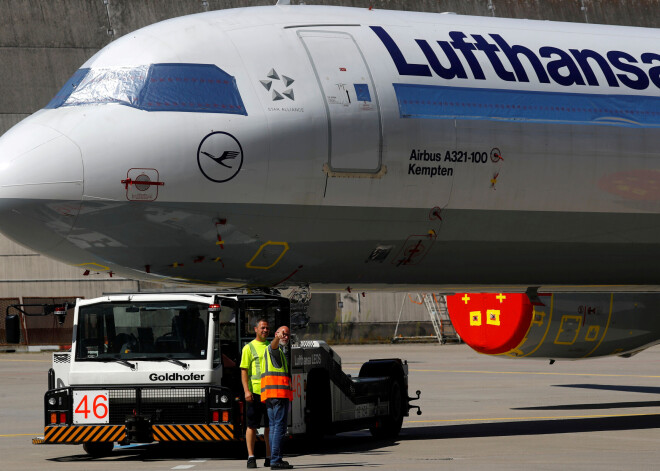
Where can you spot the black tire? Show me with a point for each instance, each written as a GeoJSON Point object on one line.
{"type": "Point", "coordinates": [390, 426]}
{"type": "Point", "coordinates": [98, 449]}
{"type": "Point", "coordinates": [318, 404]}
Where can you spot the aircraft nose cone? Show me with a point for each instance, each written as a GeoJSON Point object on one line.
{"type": "Point", "coordinates": [41, 184]}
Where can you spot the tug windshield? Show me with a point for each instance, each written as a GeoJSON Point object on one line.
{"type": "Point", "coordinates": [142, 331]}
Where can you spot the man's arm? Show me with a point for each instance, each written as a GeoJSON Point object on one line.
{"type": "Point", "coordinates": [275, 344]}
{"type": "Point", "coordinates": [246, 366]}
{"type": "Point", "coordinates": [245, 380]}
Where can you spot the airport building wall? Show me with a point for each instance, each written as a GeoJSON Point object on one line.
{"type": "Point", "coordinates": [42, 42]}
{"type": "Point", "coordinates": [358, 317]}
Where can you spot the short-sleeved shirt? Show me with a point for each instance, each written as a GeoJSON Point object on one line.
{"type": "Point", "coordinates": [251, 364]}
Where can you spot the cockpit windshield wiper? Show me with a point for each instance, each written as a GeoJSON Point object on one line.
{"type": "Point", "coordinates": [120, 361]}
{"type": "Point", "coordinates": [183, 365]}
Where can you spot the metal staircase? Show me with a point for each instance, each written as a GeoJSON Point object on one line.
{"type": "Point", "coordinates": [436, 306]}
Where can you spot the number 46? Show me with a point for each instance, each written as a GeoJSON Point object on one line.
{"type": "Point", "coordinates": [99, 407]}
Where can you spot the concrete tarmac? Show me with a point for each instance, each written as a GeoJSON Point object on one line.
{"type": "Point", "coordinates": [479, 413]}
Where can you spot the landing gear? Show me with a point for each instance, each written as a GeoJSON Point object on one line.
{"type": "Point", "coordinates": [300, 298]}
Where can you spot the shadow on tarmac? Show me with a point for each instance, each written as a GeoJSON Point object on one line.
{"type": "Point", "coordinates": [613, 387]}
{"type": "Point", "coordinates": [532, 427]}
{"type": "Point", "coordinates": [363, 445]}
{"type": "Point", "coordinates": [606, 405]}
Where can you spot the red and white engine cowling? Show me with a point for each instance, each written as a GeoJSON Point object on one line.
{"type": "Point", "coordinates": [556, 325]}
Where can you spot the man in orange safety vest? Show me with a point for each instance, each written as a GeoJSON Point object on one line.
{"type": "Point", "coordinates": [276, 393]}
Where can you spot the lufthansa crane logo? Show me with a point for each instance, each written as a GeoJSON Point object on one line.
{"type": "Point", "coordinates": [220, 156]}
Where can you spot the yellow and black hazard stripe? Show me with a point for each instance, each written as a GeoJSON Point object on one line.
{"type": "Point", "coordinates": [83, 433]}
{"type": "Point", "coordinates": [193, 433]}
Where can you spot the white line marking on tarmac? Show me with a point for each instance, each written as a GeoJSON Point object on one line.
{"type": "Point", "coordinates": [184, 466]}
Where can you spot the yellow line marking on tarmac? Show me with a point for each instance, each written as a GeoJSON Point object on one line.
{"type": "Point", "coordinates": [33, 361]}
{"type": "Point", "coordinates": [595, 416]}
{"type": "Point", "coordinates": [535, 373]}
{"type": "Point", "coordinates": [20, 435]}
{"type": "Point", "coordinates": [527, 373]}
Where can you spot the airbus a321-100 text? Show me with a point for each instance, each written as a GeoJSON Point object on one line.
{"type": "Point", "coordinates": [330, 146]}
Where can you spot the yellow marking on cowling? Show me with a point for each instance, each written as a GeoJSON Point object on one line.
{"type": "Point", "coordinates": [592, 333]}
{"type": "Point", "coordinates": [537, 317]}
{"type": "Point", "coordinates": [607, 326]}
{"type": "Point", "coordinates": [547, 329]}
{"type": "Point", "coordinates": [493, 317]}
{"type": "Point", "coordinates": [285, 249]}
{"type": "Point", "coordinates": [517, 351]}
{"type": "Point", "coordinates": [576, 319]}
{"type": "Point", "coordinates": [475, 318]}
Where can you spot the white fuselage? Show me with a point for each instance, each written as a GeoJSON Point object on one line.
{"type": "Point", "coordinates": [340, 146]}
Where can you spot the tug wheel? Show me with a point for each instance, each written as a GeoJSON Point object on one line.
{"type": "Point", "coordinates": [390, 426]}
{"type": "Point", "coordinates": [98, 449]}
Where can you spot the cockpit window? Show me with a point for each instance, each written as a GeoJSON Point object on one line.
{"type": "Point", "coordinates": [100, 86]}
{"type": "Point", "coordinates": [159, 87]}
{"type": "Point", "coordinates": [67, 89]}
{"type": "Point", "coordinates": [191, 87]}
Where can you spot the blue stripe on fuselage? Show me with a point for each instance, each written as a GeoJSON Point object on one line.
{"type": "Point", "coordinates": [438, 102]}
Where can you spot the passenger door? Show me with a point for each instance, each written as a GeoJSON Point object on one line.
{"type": "Point", "coordinates": [351, 103]}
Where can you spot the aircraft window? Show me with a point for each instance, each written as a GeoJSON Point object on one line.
{"type": "Point", "coordinates": [100, 86]}
{"type": "Point", "coordinates": [191, 87]}
{"type": "Point", "coordinates": [201, 88]}
{"type": "Point", "coordinates": [68, 87]}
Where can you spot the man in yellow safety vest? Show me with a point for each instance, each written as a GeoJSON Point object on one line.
{"type": "Point", "coordinates": [276, 393]}
{"type": "Point", "coordinates": [251, 379]}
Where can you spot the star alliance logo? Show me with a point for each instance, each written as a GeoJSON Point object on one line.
{"type": "Point", "coordinates": [274, 81]}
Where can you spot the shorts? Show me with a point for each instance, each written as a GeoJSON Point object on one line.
{"type": "Point", "coordinates": [255, 411]}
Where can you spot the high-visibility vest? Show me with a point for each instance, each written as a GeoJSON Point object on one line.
{"type": "Point", "coordinates": [255, 371]}
{"type": "Point", "coordinates": [275, 382]}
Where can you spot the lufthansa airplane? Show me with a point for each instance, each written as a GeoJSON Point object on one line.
{"type": "Point", "coordinates": [331, 146]}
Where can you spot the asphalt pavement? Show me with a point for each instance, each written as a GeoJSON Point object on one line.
{"type": "Point", "coordinates": [479, 413]}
